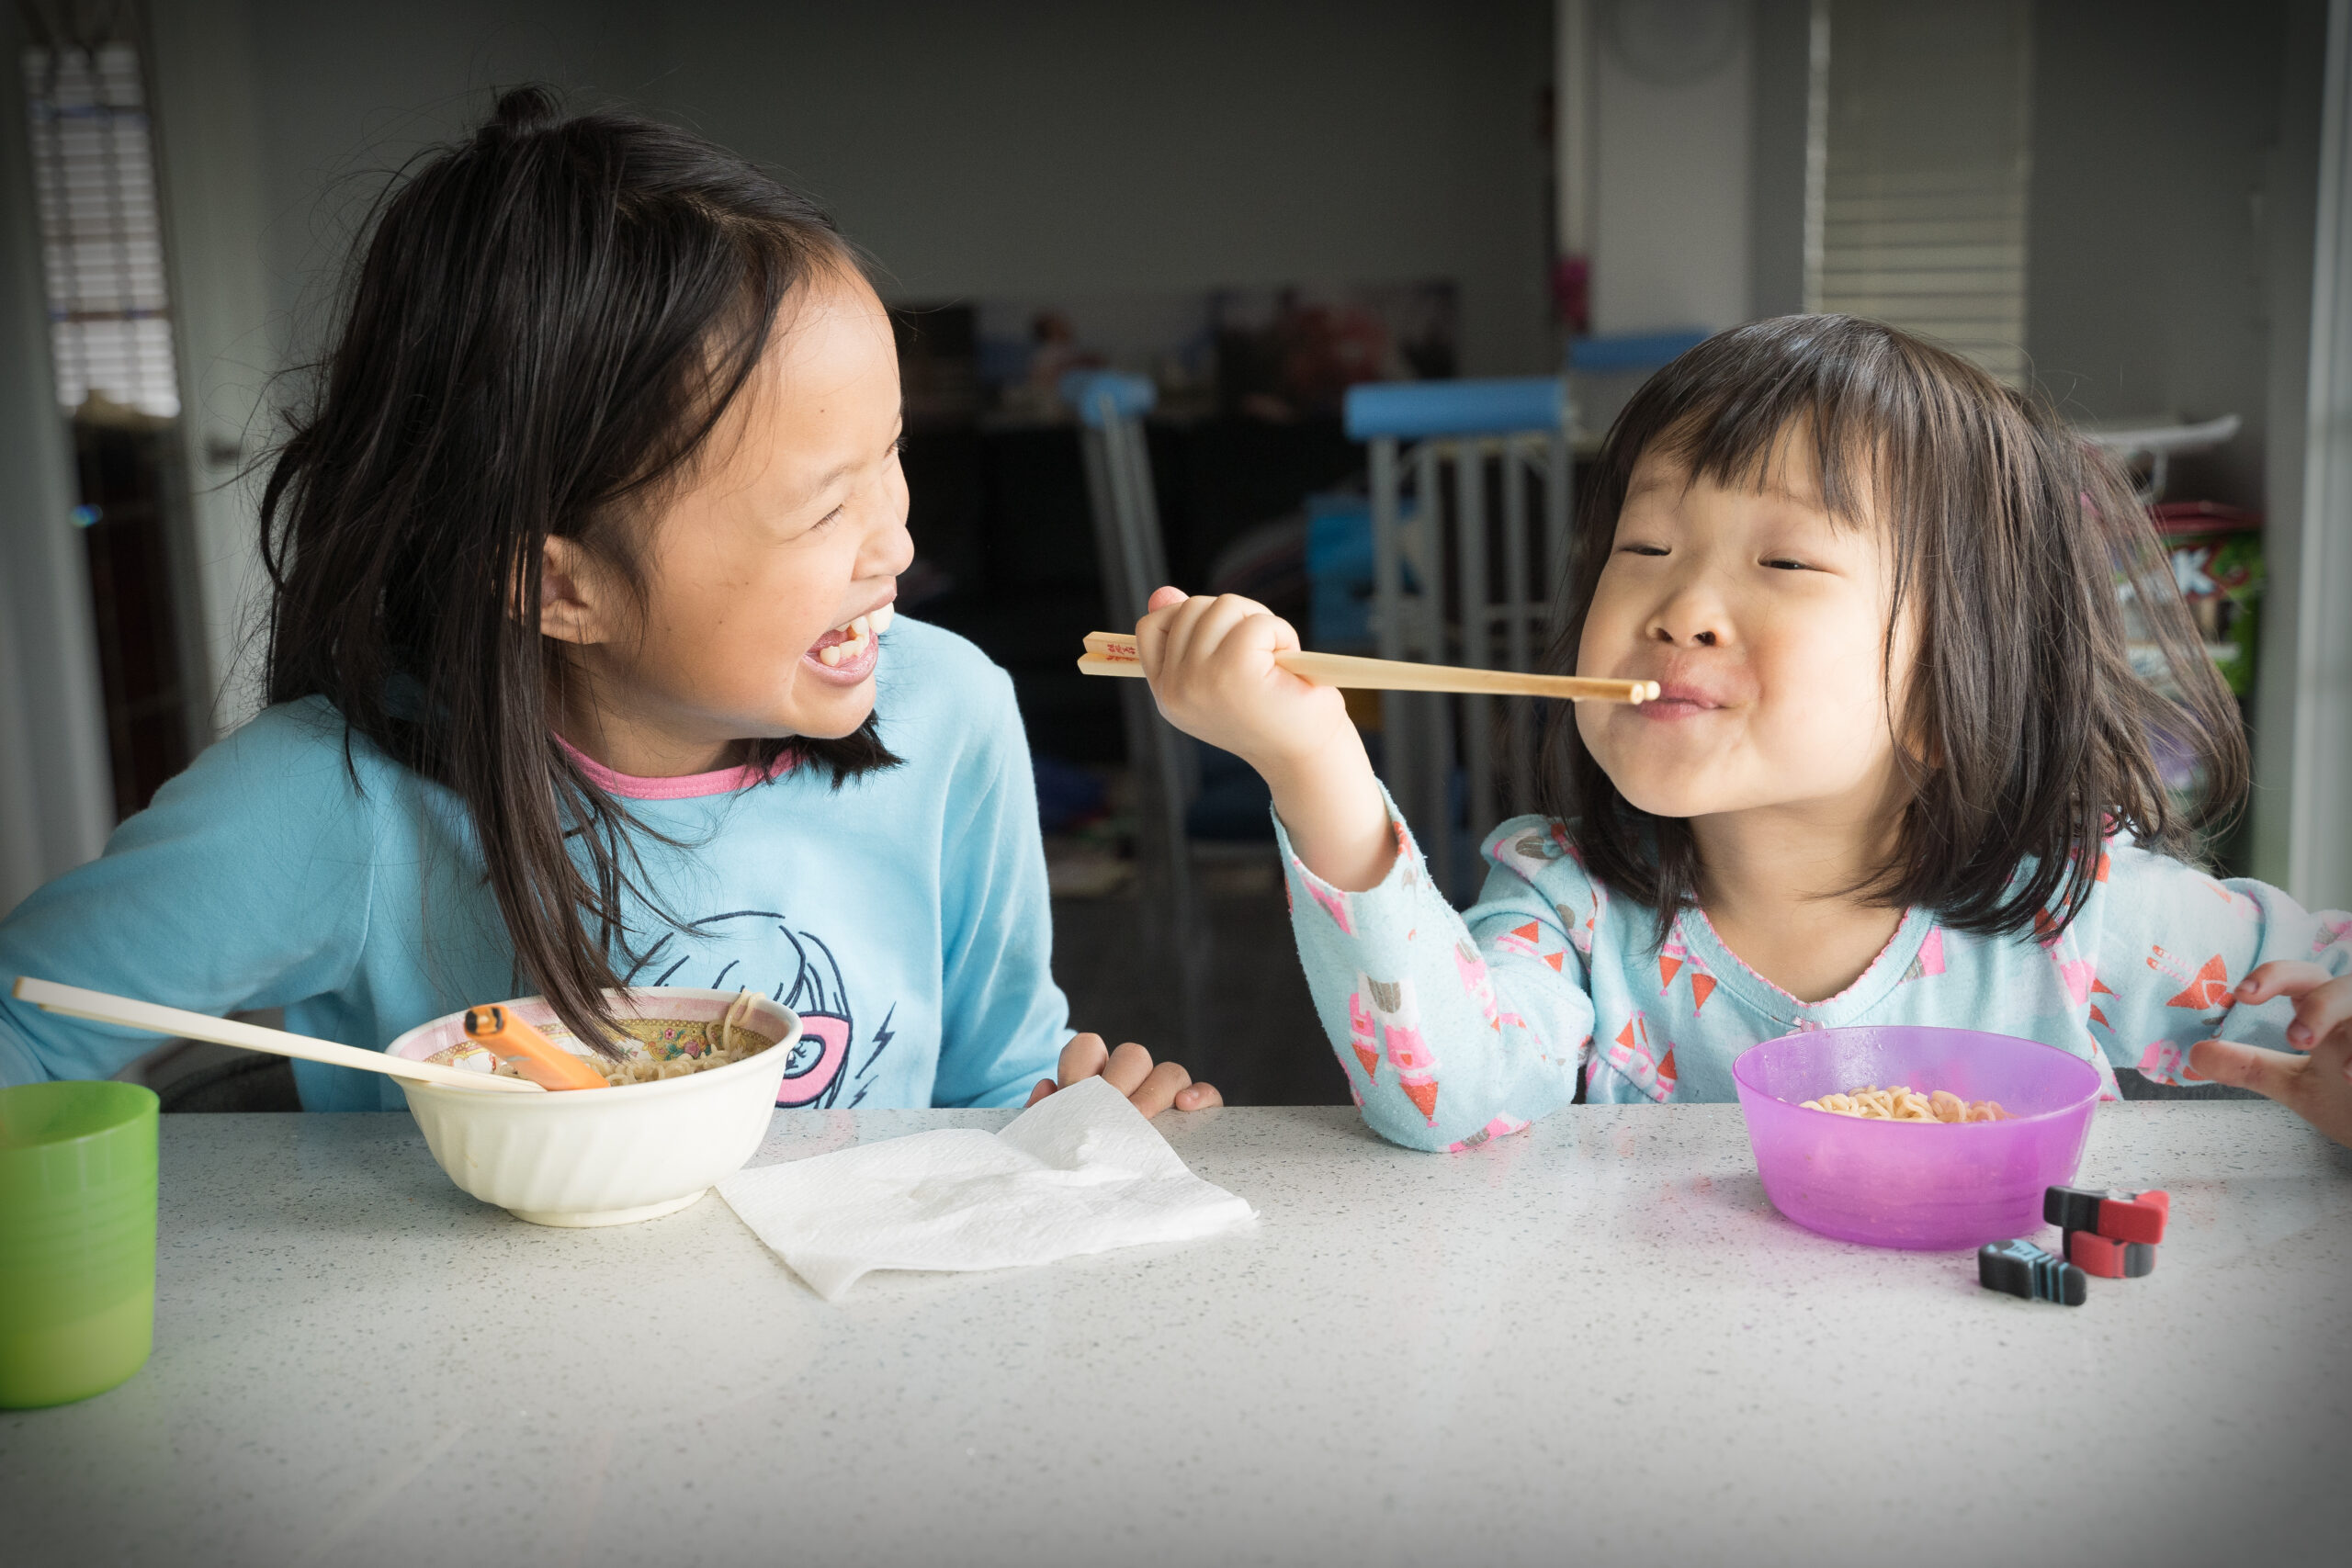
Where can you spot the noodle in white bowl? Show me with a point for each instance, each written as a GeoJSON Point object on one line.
{"type": "Point", "coordinates": [696, 1086]}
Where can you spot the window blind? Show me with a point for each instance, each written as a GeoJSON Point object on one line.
{"type": "Point", "coordinates": [1923, 171]}
{"type": "Point", "coordinates": [101, 228]}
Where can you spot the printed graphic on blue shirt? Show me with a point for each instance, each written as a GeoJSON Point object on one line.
{"type": "Point", "coordinates": [762, 950]}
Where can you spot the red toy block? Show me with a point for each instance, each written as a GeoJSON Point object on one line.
{"type": "Point", "coordinates": [2119, 1216]}
{"type": "Point", "coordinates": [2095, 1254]}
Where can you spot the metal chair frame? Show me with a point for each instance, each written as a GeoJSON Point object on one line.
{"type": "Point", "coordinates": [1421, 730]}
{"type": "Point", "coordinates": [1134, 559]}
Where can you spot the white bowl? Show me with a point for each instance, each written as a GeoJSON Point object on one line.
{"type": "Point", "coordinates": [600, 1157]}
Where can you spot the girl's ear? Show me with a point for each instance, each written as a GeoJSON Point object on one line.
{"type": "Point", "coordinates": [575, 594]}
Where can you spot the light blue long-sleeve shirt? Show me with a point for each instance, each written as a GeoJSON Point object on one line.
{"type": "Point", "coordinates": [904, 916]}
{"type": "Point", "coordinates": [1457, 1027]}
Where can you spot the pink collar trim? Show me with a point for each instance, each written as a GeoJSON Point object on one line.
{"type": "Point", "coordinates": [1885, 954]}
{"type": "Point", "coordinates": [686, 786]}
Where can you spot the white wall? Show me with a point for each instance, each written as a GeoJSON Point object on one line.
{"type": "Point", "coordinates": [2156, 124]}
{"type": "Point", "coordinates": [2306, 727]}
{"type": "Point", "coordinates": [1014, 149]}
{"type": "Point", "coordinates": [1005, 149]}
{"type": "Point", "coordinates": [1778, 74]}
{"type": "Point", "coordinates": [215, 215]}
{"type": "Point", "coordinates": [347, 94]}
{"type": "Point", "coordinates": [276, 122]}
{"type": "Point", "coordinates": [1671, 217]}
{"type": "Point", "coordinates": [2171, 271]}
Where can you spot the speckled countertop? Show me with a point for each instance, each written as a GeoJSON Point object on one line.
{"type": "Point", "coordinates": [1593, 1343]}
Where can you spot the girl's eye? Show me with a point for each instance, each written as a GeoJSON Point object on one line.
{"type": "Point", "coordinates": [1642, 549]}
{"type": "Point", "coordinates": [828, 520]}
{"type": "Point", "coordinates": [1782, 563]}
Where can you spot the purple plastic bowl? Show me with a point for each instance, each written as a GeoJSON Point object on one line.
{"type": "Point", "coordinates": [1898, 1183]}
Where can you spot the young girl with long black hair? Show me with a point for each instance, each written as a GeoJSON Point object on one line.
{"type": "Point", "coordinates": [581, 667]}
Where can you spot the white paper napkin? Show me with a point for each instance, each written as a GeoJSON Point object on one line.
{"type": "Point", "coordinates": [1081, 1172]}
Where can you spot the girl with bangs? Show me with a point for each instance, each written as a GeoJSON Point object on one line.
{"type": "Point", "coordinates": [582, 672]}
{"type": "Point", "coordinates": [1903, 772]}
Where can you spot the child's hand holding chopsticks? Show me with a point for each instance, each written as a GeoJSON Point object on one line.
{"type": "Point", "coordinates": [1211, 665]}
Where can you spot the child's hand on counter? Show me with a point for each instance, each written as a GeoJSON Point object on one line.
{"type": "Point", "coordinates": [2317, 1085]}
{"type": "Point", "coordinates": [1130, 1070]}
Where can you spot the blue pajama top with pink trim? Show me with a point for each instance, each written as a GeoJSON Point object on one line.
{"type": "Point", "coordinates": [1455, 1028]}
{"type": "Point", "coordinates": [904, 915]}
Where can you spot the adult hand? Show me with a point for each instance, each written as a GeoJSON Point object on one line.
{"type": "Point", "coordinates": [2316, 1085]}
{"type": "Point", "coordinates": [1129, 1069]}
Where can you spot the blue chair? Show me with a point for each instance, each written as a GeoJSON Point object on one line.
{"type": "Point", "coordinates": [1417, 431]}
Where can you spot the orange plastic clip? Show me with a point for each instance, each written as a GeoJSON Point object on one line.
{"type": "Point", "coordinates": [535, 1056]}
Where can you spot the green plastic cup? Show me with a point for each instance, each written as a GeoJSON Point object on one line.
{"type": "Point", "coordinates": [77, 1239]}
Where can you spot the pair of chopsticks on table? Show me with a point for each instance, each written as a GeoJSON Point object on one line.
{"type": "Point", "coordinates": [98, 1007]}
{"type": "Point", "coordinates": [1111, 653]}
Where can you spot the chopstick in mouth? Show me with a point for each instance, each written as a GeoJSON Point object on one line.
{"type": "Point", "coordinates": [1113, 653]}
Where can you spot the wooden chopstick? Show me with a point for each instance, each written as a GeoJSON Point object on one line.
{"type": "Point", "coordinates": [98, 1007]}
{"type": "Point", "coordinates": [1110, 653]}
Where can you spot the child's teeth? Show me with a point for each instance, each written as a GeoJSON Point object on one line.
{"type": "Point", "coordinates": [880, 619]}
{"type": "Point", "coordinates": [853, 635]}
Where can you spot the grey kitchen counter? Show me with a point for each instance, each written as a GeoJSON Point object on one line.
{"type": "Point", "coordinates": [1594, 1342]}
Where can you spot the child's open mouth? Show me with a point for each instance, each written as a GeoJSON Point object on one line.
{"type": "Point", "coordinates": [847, 654]}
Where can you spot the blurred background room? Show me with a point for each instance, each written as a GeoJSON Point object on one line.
{"type": "Point", "coordinates": [1246, 209]}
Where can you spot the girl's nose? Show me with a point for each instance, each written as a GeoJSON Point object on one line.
{"type": "Point", "coordinates": [889, 548]}
{"type": "Point", "coordinates": [1689, 620]}
{"type": "Point", "coordinates": [890, 552]}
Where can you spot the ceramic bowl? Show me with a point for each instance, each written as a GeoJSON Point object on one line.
{"type": "Point", "coordinates": [603, 1156]}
